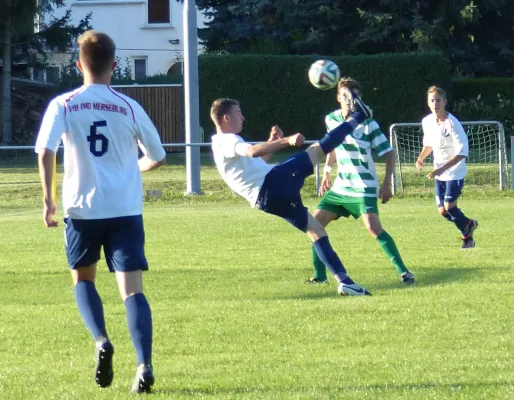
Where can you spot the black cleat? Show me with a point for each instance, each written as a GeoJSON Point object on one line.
{"type": "Point", "coordinates": [103, 370]}
{"type": "Point", "coordinates": [472, 225]}
{"type": "Point", "coordinates": [144, 379]}
{"type": "Point", "coordinates": [407, 278]}
{"type": "Point", "coordinates": [468, 242]}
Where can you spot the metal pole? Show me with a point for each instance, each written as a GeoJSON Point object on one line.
{"type": "Point", "coordinates": [512, 160]}
{"type": "Point", "coordinates": [191, 97]}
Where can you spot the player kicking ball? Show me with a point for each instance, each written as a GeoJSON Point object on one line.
{"type": "Point", "coordinates": [275, 189]}
{"type": "Point", "coordinates": [102, 197]}
{"type": "Point", "coordinates": [356, 187]}
{"type": "Point", "coordinates": [445, 138]}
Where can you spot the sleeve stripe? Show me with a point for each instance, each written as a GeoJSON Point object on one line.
{"type": "Point", "coordinates": [75, 93]}
{"type": "Point", "coordinates": [128, 104]}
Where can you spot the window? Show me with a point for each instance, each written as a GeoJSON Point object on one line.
{"type": "Point", "coordinates": [159, 11]}
{"type": "Point", "coordinates": [52, 74]}
{"type": "Point", "coordinates": [140, 68]}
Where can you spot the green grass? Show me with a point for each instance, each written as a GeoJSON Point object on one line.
{"type": "Point", "coordinates": [233, 318]}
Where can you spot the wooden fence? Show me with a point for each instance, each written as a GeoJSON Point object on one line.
{"type": "Point", "coordinates": [164, 104]}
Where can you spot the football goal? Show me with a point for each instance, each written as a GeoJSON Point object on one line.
{"type": "Point", "coordinates": [487, 161]}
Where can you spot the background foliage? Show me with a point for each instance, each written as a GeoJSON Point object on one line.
{"type": "Point", "coordinates": [275, 89]}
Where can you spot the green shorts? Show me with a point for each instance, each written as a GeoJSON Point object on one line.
{"type": "Point", "coordinates": [346, 206]}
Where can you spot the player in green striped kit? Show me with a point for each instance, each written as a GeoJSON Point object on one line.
{"type": "Point", "coordinates": [356, 188]}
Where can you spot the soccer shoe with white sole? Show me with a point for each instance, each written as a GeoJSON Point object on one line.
{"type": "Point", "coordinates": [316, 280]}
{"type": "Point", "coordinates": [103, 370]}
{"type": "Point", "coordinates": [361, 108]}
{"type": "Point", "coordinates": [345, 289]}
{"type": "Point", "coordinates": [407, 278]}
{"type": "Point", "coordinates": [144, 379]}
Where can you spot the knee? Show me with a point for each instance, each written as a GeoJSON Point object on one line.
{"type": "Point", "coordinates": [316, 234]}
{"type": "Point", "coordinates": [375, 231]}
{"type": "Point", "coordinates": [373, 225]}
{"type": "Point", "coordinates": [443, 211]}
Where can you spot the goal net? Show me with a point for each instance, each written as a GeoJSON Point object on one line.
{"type": "Point", "coordinates": [487, 161]}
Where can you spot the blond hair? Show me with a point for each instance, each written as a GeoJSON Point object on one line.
{"type": "Point", "coordinates": [438, 90]}
{"type": "Point", "coordinates": [97, 51]}
{"type": "Point", "coordinates": [221, 107]}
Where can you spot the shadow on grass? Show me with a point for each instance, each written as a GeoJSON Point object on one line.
{"type": "Point", "coordinates": [322, 294]}
{"type": "Point", "coordinates": [435, 276]}
{"type": "Point", "coordinates": [330, 390]}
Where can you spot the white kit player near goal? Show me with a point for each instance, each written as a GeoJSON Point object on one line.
{"type": "Point", "coordinates": [445, 138]}
{"type": "Point", "coordinates": [103, 197]}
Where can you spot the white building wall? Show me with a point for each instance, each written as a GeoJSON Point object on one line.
{"type": "Point", "coordinates": [126, 22]}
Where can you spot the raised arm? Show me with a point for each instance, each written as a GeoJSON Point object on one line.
{"type": "Point", "coordinates": [275, 134]}
{"type": "Point", "coordinates": [264, 149]}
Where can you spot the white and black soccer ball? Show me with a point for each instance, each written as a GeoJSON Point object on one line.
{"type": "Point", "coordinates": [324, 74]}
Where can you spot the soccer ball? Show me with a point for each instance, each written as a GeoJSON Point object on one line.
{"type": "Point", "coordinates": [324, 74]}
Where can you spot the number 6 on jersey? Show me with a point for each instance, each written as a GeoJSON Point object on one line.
{"type": "Point", "coordinates": [94, 137]}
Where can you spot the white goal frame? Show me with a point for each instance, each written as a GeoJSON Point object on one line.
{"type": "Point", "coordinates": [502, 151]}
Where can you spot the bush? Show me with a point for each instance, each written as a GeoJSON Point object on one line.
{"type": "Point", "coordinates": [487, 88]}
{"type": "Point", "coordinates": [275, 89]}
{"type": "Point", "coordinates": [497, 108]}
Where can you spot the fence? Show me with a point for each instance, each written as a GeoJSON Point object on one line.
{"type": "Point", "coordinates": [177, 145]}
{"type": "Point", "coordinates": [164, 104]}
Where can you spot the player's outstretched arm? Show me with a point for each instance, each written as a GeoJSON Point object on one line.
{"type": "Point", "coordinates": [275, 134]}
{"type": "Point", "coordinates": [46, 159]}
{"type": "Point", "coordinates": [262, 149]}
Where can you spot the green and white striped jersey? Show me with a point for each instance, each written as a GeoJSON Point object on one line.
{"type": "Point", "coordinates": [356, 173]}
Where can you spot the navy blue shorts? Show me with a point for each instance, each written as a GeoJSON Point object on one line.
{"type": "Point", "coordinates": [122, 239]}
{"type": "Point", "coordinates": [280, 192]}
{"type": "Point", "coordinates": [447, 191]}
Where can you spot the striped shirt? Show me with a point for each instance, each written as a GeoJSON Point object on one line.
{"type": "Point", "coordinates": [356, 174]}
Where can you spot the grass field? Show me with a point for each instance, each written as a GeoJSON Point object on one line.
{"type": "Point", "coordinates": [233, 318]}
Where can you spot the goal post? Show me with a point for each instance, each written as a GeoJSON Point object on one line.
{"type": "Point", "coordinates": [487, 160]}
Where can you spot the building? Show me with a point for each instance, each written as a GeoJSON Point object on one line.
{"type": "Point", "coordinates": [148, 33]}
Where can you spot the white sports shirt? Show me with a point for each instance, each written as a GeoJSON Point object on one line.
{"type": "Point", "coordinates": [101, 130]}
{"type": "Point", "coordinates": [447, 140]}
{"type": "Point", "coordinates": [244, 175]}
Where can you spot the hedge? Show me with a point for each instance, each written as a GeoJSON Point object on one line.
{"type": "Point", "coordinates": [487, 88]}
{"type": "Point", "coordinates": [276, 90]}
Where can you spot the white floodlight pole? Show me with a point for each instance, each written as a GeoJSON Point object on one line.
{"type": "Point", "coordinates": [191, 98]}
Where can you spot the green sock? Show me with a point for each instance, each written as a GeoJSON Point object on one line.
{"type": "Point", "coordinates": [387, 243]}
{"type": "Point", "coordinates": [320, 271]}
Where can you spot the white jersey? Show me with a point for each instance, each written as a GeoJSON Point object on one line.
{"type": "Point", "coordinates": [447, 139]}
{"type": "Point", "coordinates": [101, 130]}
{"type": "Point", "coordinates": [244, 175]}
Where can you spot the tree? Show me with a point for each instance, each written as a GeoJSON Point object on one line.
{"type": "Point", "coordinates": [25, 36]}
{"type": "Point", "coordinates": [456, 28]}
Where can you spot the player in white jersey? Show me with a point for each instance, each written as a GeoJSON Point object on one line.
{"type": "Point", "coordinates": [102, 197]}
{"type": "Point", "coordinates": [275, 189]}
{"type": "Point", "coordinates": [445, 138]}
{"type": "Point", "coordinates": [356, 187]}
